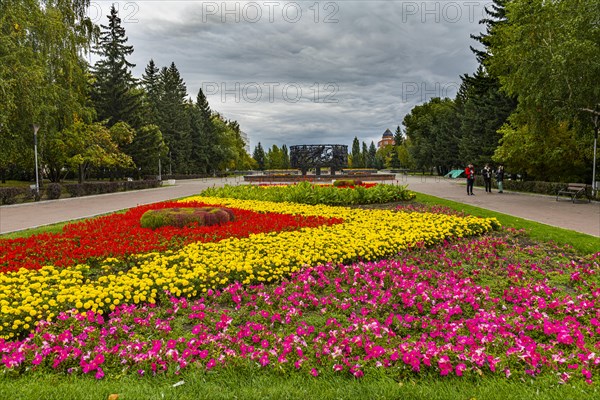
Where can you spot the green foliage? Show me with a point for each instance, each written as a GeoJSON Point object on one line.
{"type": "Point", "coordinates": [259, 156]}
{"type": "Point", "coordinates": [174, 119]}
{"type": "Point", "coordinates": [546, 55]}
{"type": "Point", "coordinates": [394, 159]}
{"type": "Point", "coordinates": [230, 152]}
{"type": "Point", "coordinates": [357, 158]}
{"type": "Point", "coordinates": [371, 156]}
{"type": "Point", "coordinates": [549, 151]}
{"type": "Point", "coordinates": [43, 77]}
{"type": "Point", "coordinates": [274, 158]}
{"type": "Point", "coordinates": [483, 110]}
{"type": "Point", "coordinates": [186, 216]}
{"type": "Point", "coordinates": [431, 128]}
{"type": "Point", "coordinates": [53, 191]}
{"type": "Point", "coordinates": [151, 94]}
{"type": "Point", "coordinates": [285, 155]}
{"type": "Point", "coordinates": [347, 182]}
{"type": "Point", "coordinates": [307, 193]}
{"type": "Point", "coordinates": [114, 94]}
{"type": "Point", "coordinates": [82, 146]}
{"type": "Point", "coordinates": [147, 148]}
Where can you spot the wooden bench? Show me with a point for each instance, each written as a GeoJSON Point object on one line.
{"type": "Point", "coordinates": [575, 191]}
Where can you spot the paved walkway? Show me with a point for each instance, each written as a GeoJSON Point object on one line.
{"type": "Point", "coordinates": [581, 217]}
{"type": "Point", "coordinates": [30, 215]}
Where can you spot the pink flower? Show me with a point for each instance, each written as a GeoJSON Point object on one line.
{"type": "Point", "coordinates": [314, 372]}
{"type": "Point", "coordinates": [211, 363]}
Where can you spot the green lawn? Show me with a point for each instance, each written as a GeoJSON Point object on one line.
{"type": "Point", "coordinates": [248, 383]}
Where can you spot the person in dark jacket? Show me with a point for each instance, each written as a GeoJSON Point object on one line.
{"type": "Point", "coordinates": [470, 174]}
{"type": "Point", "coordinates": [486, 173]}
{"type": "Point", "coordinates": [500, 178]}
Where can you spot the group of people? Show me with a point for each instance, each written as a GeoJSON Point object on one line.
{"type": "Point", "coordinates": [486, 173]}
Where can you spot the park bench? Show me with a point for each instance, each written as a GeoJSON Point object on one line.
{"type": "Point", "coordinates": [575, 191]}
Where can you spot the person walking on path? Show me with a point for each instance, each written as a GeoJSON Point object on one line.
{"type": "Point", "coordinates": [470, 173]}
{"type": "Point", "coordinates": [486, 172]}
{"type": "Point", "coordinates": [500, 178]}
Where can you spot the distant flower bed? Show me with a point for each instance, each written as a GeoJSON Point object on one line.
{"type": "Point", "coordinates": [339, 185]}
{"type": "Point", "coordinates": [307, 193]}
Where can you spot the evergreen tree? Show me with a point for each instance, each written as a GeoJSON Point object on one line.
{"type": "Point", "coordinates": [175, 120]}
{"type": "Point", "coordinates": [372, 158]}
{"type": "Point", "coordinates": [286, 157]}
{"type": "Point", "coordinates": [203, 135]}
{"type": "Point", "coordinates": [496, 14]}
{"type": "Point", "coordinates": [398, 137]}
{"type": "Point", "coordinates": [113, 91]}
{"type": "Point", "coordinates": [356, 158]}
{"type": "Point", "coordinates": [146, 149]}
{"type": "Point", "coordinates": [483, 111]}
{"type": "Point", "coordinates": [152, 92]}
{"type": "Point", "coordinates": [274, 158]}
{"type": "Point", "coordinates": [364, 155]}
{"type": "Point", "coordinates": [259, 156]}
{"type": "Point", "coordinates": [395, 160]}
{"type": "Point", "coordinates": [431, 128]}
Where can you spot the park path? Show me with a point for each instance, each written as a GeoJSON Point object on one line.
{"type": "Point", "coordinates": [580, 217]}
{"type": "Point", "coordinates": [30, 215]}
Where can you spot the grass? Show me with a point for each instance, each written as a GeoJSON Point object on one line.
{"type": "Point", "coordinates": [16, 183]}
{"type": "Point", "coordinates": [54, 228]}
{"type": "Point", "coordinates": [581, 242]}
{"type": "Point", "coordinates": [248, 383]}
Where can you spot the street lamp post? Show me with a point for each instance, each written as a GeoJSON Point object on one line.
{"type": "Point", "coordinates": [159, 169]}
{"type": "Point", "coordinates": [36, 127]}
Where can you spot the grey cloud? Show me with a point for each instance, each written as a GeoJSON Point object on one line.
{"type": "Point", "coordinates": [376, 55]}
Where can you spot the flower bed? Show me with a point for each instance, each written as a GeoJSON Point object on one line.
{"type": "Point", "coordinates": [120, 235]}
{"type": "Point", "coordinates": [307, 193]}
{"type": "Point", "coordinates": [477, 307]}
{"type": "Point", "coordinates": [29, 296]}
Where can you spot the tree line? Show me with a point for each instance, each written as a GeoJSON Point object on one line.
{"type": "Point", "coordinates": [98, 120]}
{"type": "Point", "coordinates": [533, 103]}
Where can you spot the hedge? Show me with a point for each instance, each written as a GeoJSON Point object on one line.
{"type": "Point", "coordinates": [12, 195]}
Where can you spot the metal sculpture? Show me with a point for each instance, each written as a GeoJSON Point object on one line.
{"type": "Point", "coordinates": [306, 156]}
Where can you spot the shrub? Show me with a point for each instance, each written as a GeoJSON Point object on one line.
{"type": "Point", "coordinates": [549, 188]}
{"type": "Point", "coordinates": [347, 182]}
{"type": "Point", "coordinates": [10, 195]}
{"type": "Point", "coordinates": [53, 191]}
{"type": "Point", "coordinates": [184, 216]}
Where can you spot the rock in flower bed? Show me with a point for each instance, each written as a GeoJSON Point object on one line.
{"type": "Point", "coordinates": [493, 305]}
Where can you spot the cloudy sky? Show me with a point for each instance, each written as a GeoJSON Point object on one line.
{"type": "Point", "coordinates": [307, 72]}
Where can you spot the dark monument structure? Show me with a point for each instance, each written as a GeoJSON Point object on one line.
{"type": "Point", "coordinates": [306, 156]}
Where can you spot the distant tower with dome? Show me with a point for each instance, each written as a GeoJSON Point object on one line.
{"type": "Point", "coordinates": [386, 139]}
